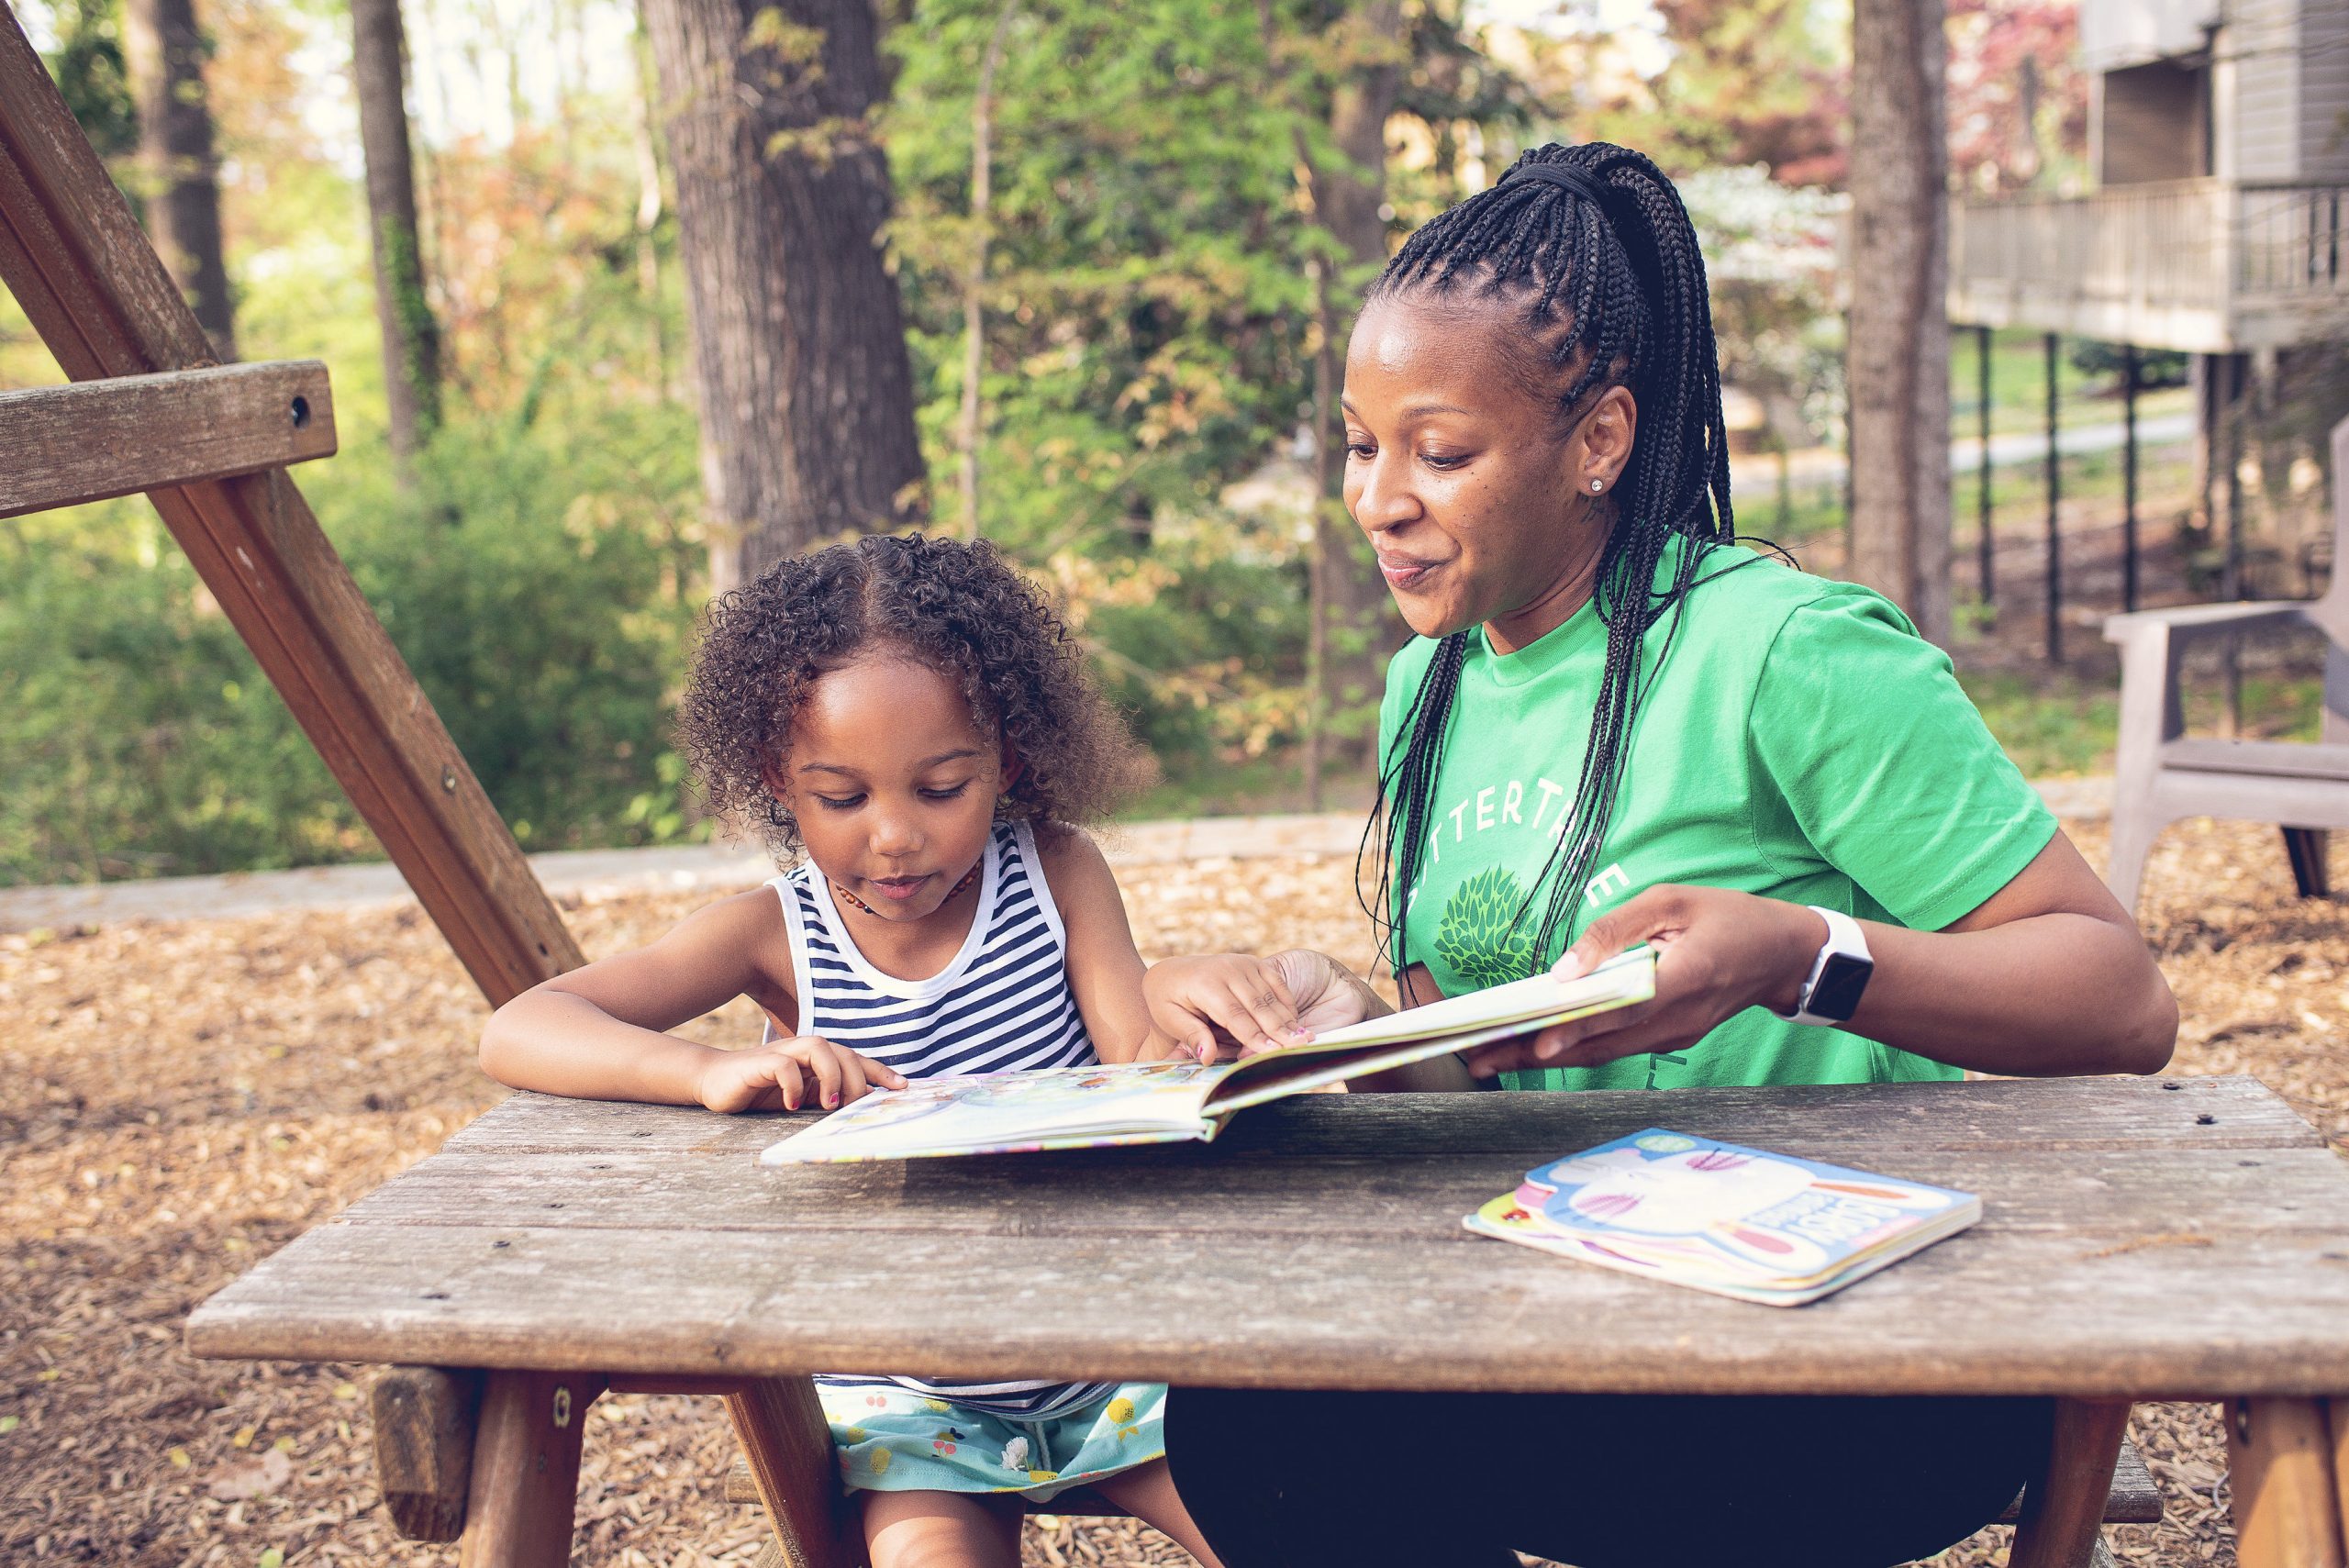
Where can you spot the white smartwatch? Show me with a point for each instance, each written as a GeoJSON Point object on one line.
{"type": "Point", "coordinates": [1832, 991]}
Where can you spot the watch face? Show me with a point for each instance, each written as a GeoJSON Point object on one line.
{"type": "Point", "coordinates": [1839, 987]}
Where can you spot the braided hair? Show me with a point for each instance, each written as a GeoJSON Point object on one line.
{"type": "Point", "coordinates": [1593, 243]}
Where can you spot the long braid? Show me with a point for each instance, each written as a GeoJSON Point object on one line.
{"type": "Point", "coordinates": [1625, 275]}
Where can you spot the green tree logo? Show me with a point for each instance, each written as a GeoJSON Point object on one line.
{"type": "Point", "coordinates": [1476, 938]}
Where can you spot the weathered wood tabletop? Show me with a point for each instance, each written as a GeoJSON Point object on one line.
{"type": "Point", "coordinates": [2140, 1239]}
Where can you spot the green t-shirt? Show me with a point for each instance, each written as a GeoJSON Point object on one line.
{"type": "Point", "coordinates": [1798, 741]}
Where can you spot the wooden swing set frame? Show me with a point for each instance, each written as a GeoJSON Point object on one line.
{"type": "Point", "coordinates": [151, 410]}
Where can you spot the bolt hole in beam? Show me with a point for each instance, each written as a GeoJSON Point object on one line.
{"type": "Point", "coordinates": [121, 435]}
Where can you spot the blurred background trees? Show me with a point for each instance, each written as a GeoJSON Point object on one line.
{"type": "Point", "coordinates": [667, 294]}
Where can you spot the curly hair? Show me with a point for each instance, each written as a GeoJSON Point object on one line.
{"type": "Point", "coordinates": [958, 609]}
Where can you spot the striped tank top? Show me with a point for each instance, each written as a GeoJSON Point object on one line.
{"type": "Point", "coordinates": [1001, 1005]}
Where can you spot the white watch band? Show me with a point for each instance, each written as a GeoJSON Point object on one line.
{"type": "Point", "coordinates": [1844, 939]}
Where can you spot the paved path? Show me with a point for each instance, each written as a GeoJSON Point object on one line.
{"type": "Point", "coordinates": [601, 873]}
{"type": "Point", "coordinates": [2008, 448]}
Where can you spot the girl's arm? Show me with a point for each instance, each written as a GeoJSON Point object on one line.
{"type": "Point", "coordinates": [596, 1032]}
{"type": "Point", "coordinates": [2049, 976]}
{"type": "Point", "coordinates": [1105, 968]}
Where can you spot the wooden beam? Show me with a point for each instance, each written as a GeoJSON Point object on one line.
{"type": "Point", "coordinates": [2279, 1465]}
{"type": "Point", "coordinates": [525, 1486]}
{"type": "Point", "coordinates": [92, 286]}
{"type": "Point", "coordinates": [423, 1418]}
{"type": "Point", "coordinates": [2063, 1509]}
{"type": "Point", "coordinates": [97, 440]}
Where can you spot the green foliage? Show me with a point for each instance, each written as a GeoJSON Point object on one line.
{"type": "Point", "coordinates": [1149, 320]}
{"type": "Point", "coordinates": [89, 72]}
{"type": "Point", "coordinates": [521, 582]}
{"type": "Point", "coordinates": [2156, 367]}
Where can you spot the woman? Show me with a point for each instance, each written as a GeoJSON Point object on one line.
{"type": "Point", "coordinates": [1616, 727]}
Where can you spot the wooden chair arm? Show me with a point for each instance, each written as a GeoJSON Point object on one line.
{"type": "Point", "coordinates": [2188, 621]}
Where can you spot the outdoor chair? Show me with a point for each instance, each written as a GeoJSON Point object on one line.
{"type": "Point", "coordinates": [2160, 775]}
{"type": "Point", "coordinates": [2131, 1501]}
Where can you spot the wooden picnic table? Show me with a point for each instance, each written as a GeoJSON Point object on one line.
{"type": "Point", "coordinates": [2142, 1239]}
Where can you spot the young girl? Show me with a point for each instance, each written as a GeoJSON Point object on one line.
{"type": "Point", "coordinates": [910, 715]}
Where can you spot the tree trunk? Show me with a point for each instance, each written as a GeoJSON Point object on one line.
{"type": "Point", "coordinates": [179, 168]}
{"type": "Point", "coordinates": [1898, 348]}
{"type": "Point", "coordinates": [411, 337]}
{"type": "Point", "coordinates": [974, 278]}
{"type": "Point", "coordinates": [807, 393]}
{"type": "Point", "coordinates": [1364, 627]}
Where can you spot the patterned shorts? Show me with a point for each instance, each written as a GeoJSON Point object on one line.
{"type": "Point", "coordinates": [892, 1439]}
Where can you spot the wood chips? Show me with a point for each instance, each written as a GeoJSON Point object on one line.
{"type": "Point", "coordinates": [178, 1099]}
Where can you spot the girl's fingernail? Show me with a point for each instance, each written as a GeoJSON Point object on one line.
{"type": "Point", "coordinates": [830, 1101]}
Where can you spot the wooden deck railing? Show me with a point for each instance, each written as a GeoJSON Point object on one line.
{"type": "Point", "coordinates": [2206, 265]}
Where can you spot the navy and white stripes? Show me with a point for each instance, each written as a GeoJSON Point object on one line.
{"type": "Point", "coordinates": [1002, 1005]}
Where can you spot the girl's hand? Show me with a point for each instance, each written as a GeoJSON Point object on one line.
{"type": "Point", "coordinates": [1718, 953]}
{"type": "Point", "coordinates": [1237, 1005]}
{"type": "Point", "coordinates": [800, 1071]}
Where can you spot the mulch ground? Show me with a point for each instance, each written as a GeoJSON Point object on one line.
{"type": "Point", "coordinates": [177, 1100]}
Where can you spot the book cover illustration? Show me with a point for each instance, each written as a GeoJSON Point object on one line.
{"type": "Point", "coordinates": [1719, 1216]}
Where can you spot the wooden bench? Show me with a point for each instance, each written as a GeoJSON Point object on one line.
{"type": "Point", "coordinates": [2160, 775]}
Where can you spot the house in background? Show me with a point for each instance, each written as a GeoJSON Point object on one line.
{"type": "Point", "coordinates": [2219, 139]}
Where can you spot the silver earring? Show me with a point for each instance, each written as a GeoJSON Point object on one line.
{"type": "Point", "coordinates": [1597, 485]}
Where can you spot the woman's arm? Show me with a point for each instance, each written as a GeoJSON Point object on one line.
{"type": "Point", "coordinates": [1105, 968]}
{"type": "Point", "coordinates": [596, 1032]}
{"type": "Point", "coordinates": [2048, 976]}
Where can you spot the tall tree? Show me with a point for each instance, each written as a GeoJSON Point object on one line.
{"type": "Point", "coordinates": [1899, 346]}
{"type": "Point", "coordinates": [1356, 626]}
{"type": "Point", "coordinates": [807, 393]}
{"type": "Point", "coordinates": [974, 279]}
{"type": "Point", "coordinates": [411, 337]}
{"type": "Point", "coordinates": [179, 172]}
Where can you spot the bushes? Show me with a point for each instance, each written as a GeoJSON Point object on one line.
{"type": "Point", "coordinates": [537, 585]}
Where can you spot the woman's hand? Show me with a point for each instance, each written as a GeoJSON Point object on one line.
{"type": "Point", "coordinates": [1236, 1004]}
{"type": "Point", "coordinates": [799, 1070]}
{"type": "Point", "coordinates": [1718, 953]}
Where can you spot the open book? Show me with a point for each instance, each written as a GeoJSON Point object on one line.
{"type": "Point", "coordinates": [1169, 1101]}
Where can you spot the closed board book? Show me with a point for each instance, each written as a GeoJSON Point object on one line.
{"type": "Point", "coordinates": [1735, 1221]}
{"type": "Point", "coordinates": [1170, 1102]}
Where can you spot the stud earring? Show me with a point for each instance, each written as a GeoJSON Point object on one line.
{"type": "Point", "coordinates": [1597, 485]}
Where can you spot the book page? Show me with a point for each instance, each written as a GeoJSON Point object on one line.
{"type": "Point", "coordinates": [985, 1112]}
{"type": "Point", "coordinates": [1456, 1023]}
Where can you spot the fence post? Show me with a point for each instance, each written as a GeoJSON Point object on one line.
{"type": "Point", "coordinates": [2055, 508]}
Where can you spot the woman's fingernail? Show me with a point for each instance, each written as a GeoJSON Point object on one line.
{"type": "Point", "coordinates": [830, 1101]}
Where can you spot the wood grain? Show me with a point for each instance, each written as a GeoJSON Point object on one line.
{"type": "Point", "coordinates": [423, 1419]}
{"type": "Point", "coordinates": [2048, 1115]}
{"type": "Point", "coordinates": [2152, 1267]}
{"type": "Point", "coordinates": [2129, 1496]}
{"type": "Point", "coordinates": [75, 258]}
{"type": "Point", "coordinates": [526, 1469]}
{"type": "Point", "coordinates": [788, 1450]}
{"type": "Point", "coordinates": [1184, 1188]}
{"type": "Point", "coordinates": [2279, 1463]}
{"type": "Point", "coordinates": [2063, 1509]}
{"type": "Point", "coordinates": [96, 439]}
